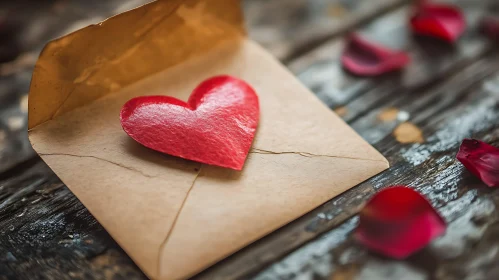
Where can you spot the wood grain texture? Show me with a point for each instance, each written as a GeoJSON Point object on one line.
{"type": "Point", "coordinates": [448, 93]}
{"type": "Point", "coordinates": [430, 78]}
{"type": "Point", "coordinates": [46, 233]}
{"type": "Point", "coordinates": [289, 29]}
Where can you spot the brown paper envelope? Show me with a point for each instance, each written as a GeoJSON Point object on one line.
{"type": "Point", "coordinates": [176, 217]}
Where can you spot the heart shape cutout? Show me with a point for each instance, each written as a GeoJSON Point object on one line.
{"type": "Point", "coordinates": [364, 58]}
{"type": "Point", "coordinates": [215, 126]}
{"type": "Point", "coordinates": [445, 22]}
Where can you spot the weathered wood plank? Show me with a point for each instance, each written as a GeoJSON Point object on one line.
{"type": "Point", "coordinates": [460, 107]}
{"type": "Point", "coordinates": [14, 147]}
{"type": "Point", "coordinates": [46, 233]}
{"type": "Point", "coordinates": [289, 29]}
{"type": "Point", "coordinates": [464, 201]}
{"type": "Point", "coordinates": [415, 92]}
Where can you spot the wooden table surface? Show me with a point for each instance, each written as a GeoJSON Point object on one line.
{"type": "Point", "coordinates": [416, 119]}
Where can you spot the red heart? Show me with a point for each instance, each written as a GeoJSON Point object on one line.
{"type": "Point", "coordinates": [216, 126]}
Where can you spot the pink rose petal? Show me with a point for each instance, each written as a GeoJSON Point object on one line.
{"type": "Point", "coordinates": [364, 58]}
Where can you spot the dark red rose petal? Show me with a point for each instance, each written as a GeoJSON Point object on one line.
{"type": "Point", "coordinates": [445, 22]}
{"type": "Point", "coordinates": [481, 159]}
{"type": "Point", "coordinates": [368, 59]}
{"type": "Point", "coordinates": [490, 26]}
{"type": "Point", "coordinates": [397, 222]}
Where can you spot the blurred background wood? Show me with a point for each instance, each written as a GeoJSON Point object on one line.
{"type": "Point", "coordinates": [447, 94]}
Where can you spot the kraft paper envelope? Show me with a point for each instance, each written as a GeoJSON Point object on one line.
{"type": "Point", "coordinates": [176, 217]}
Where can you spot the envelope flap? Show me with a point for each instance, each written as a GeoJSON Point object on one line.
{"type": "Point", "coordinates": [86, 65]}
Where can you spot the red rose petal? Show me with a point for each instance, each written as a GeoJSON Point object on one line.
{"type": "Point", "coordinates": [397, 222]}
{"type": "Point", "coordinates": [441, 21]}
{"type": "Point", "coordinates": [490, 26]}
{"type": "Point", "coordinates": [481, 159]}
{"type": "Point", "coordinates": [368, 59]}
{"type": "Point", "coordinates": [216, 126]}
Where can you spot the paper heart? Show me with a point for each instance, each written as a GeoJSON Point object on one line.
{"type": "Point", "coordinates": [368, 59]}
{"type": "Point", "coordinates": [216, 126]}
{"type": "Point", "coordinates": [441, 21]}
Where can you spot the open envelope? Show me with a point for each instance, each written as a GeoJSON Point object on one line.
{"type": "Point", "coordinates": [172, 216]}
